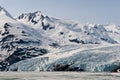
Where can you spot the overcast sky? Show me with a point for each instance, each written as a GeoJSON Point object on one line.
{"type": "Point", "coordinates": [94, 11]}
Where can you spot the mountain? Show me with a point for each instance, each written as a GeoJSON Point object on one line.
{"type": "Point", "coordinates": [5, 16]}
{"type": "Point", "coordinates": [19, 42]}
{"type": "Point", "coordinates": [5, 13]}
{"type": "Point", "coordinates": [72, 32]}
{"type": "Point", "coordinates": [37, 42]}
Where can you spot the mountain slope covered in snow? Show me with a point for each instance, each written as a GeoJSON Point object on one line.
{"type": "Point", "coordinates": [19, 42]}
{"type": "Point", "coordinates": [37, 42]}
{"type": "Point", "coordinates": [70, 31]}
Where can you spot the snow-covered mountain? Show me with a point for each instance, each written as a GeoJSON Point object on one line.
{"type": "Point", "coordinates": [37, 42]}
{"type": "Point", "coordinates": [70, 31]}
{"type": "Point", "coordinates": [19, 42]}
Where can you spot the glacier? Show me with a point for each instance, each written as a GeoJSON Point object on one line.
{"type": "Point", "coordinates": [38, 42]}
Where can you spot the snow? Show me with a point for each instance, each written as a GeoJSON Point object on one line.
{"type": "Point", "coordinates": [91, 47]}
{"type": "Point", "coordinates": [19, 31]}
{"type": "Point", "coordinates": [86, 33]}
{"type": "Point", "coordinates": [5, 16]}
{"type": "Point", "coordinates": [90, 58]}
{"type": "Point", "coordinates": [58, 76]}
{"type": "Point", "coordinates": [4, 12]}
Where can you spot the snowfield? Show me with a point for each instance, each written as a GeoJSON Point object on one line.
{"type": "Point", "coordinates": [37, 42]}
{"type": "Point", "coordinates": [58, 76]}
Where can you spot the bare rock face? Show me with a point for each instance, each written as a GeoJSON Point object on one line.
{"type": "Point", "coordinates": [66, 67]}
{"type": "Point", "coordinates": [117, 69]}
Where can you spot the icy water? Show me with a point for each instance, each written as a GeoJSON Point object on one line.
{"type": "Point", "coordinates": [58, 76]}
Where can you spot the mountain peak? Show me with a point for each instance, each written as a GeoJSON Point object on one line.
{"type": "Point", "coordinates": [34, 17]}
{"type": "Point", "coordinates": [4, 12]}
{"type": "Point", "coordinates": [5, 16]}
{"type": "Point", "coordinates": [38, 12]}
{"type": "Point", "coordinates": [1, 8]}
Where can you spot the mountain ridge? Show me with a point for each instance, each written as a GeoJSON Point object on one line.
{"type": "Point", "coordinates": [37, 42]}
{"type": "Point", "coordinates": [4, 12]}
{"type": "Point", "coordinates": [53, 25]}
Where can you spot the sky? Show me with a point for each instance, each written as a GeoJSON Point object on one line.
{"type": "Point", "coordinates": [92, 11]}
